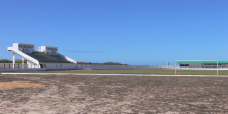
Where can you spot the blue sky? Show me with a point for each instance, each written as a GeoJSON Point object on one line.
{"type": "Point", "coordinates": [136, 32]}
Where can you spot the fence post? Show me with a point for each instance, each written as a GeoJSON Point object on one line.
{"type": "Point", "coordinates": [217, 67]}
{"type": "Point", "coordinates": [175, 67]}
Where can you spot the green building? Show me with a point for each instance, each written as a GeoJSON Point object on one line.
{"type": "Point", "coordinates": [204, 64]}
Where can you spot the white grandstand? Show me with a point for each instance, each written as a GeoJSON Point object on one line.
{"type": "Point", "coordinates": [45, 57]}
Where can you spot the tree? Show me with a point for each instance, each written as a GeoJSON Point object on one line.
{"type": "Point", "coordinates": [5, 61]}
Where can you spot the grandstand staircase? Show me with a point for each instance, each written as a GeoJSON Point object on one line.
{"type": "Point", "coordinates": [27, 57]}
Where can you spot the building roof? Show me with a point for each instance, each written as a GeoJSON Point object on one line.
{"type": "Point", "coordinates": [204, 62]}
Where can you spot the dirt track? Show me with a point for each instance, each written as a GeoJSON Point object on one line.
{"type": "Point", "coordinates": [112, 94]}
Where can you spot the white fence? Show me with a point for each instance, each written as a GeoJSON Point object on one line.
{"type": "Point", "coordinates": [7, 67]}
{"type": "Point", "coordinates": [22, 70]}
{"type": "Point", "coordinates": [103, 67]}
{"type": "Point", "coordinates": [10, 65]}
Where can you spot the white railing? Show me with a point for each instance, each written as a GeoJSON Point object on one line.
{"type": "Point", "coordinates": [67, 58]}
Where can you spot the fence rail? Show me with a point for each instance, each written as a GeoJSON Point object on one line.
{"type": "Point", "coordinates": [101, 67]}
{"type": "Point", "coordinates": [22, 70]}
{"type": "Point", "coordinates": [97, 66]}
{"type": "Point", "coordinates": [10, 65]}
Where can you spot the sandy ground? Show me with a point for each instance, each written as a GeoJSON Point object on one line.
{"type": "Point", "coordinates": [62, 94]}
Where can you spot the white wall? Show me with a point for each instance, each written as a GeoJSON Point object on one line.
{"type": "Point", "coordinates": [60, 66]}
{"type": "Point", "coordinates": [69, 66]}
{"type": "Point", "coordinates": [32, 65]}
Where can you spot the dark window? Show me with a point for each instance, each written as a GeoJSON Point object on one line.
{"type": "Point", "coordinates": [184, 64]}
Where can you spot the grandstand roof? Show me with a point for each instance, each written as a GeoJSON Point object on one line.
{"type": "Point", "coordinates": [204, 62]}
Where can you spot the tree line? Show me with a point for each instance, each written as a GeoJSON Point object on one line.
{"type": "Point", "coordinates": [9, 61]}
{"type": "Point", "coordinates": [5, 61]}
